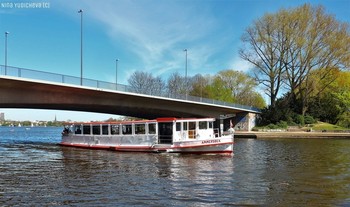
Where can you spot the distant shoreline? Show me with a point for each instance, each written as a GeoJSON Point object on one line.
{"type": "Point", "coordinates": [298, 135]}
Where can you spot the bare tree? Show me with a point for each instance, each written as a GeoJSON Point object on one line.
{"type": "Point", "coordinates": [143, 82]}
{"type": "Point", "coordinates": [265, 50]}
{"type": "Point", "coordinates": [176, 84]}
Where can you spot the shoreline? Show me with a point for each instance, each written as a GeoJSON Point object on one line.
{"type": "Point", "coordinates": [292, 135]}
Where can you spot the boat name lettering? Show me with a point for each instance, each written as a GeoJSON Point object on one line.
{"type": "Point", "coordinates": [211, 141]}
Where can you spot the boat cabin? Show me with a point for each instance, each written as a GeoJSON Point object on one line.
{"type": "Point", "coordinates": [163, 130]}
{"type": "Point", "coordinates": [173, 130]}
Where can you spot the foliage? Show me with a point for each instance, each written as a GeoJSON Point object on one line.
{"type": "Point", "coordinates": [281, 111]}
{"type": "Point", "coordinates": [29, 123]}
{"type": "Point", "coordinates": [282, 124]}
{"type": "Point", "coordinates": [304, 51]}
{"type": "Point", "coordinates": [228, 86]}
{"type": "Point", "coordinates": [217, 91]}
{"type": "Point", "coordinates": [299, 119]}
{"type": "Point", "coordinates": [287, 46]}
{"type": "Point", "coordinates": [344, 120]}
{"type": "Point", "coordinates": [332, 102]}
{"type": "Point", "coordinates": [309, 119]}
{"type": "Point", "coordinates": [236, 87]}
{"type": "Point", "coordinates": [200, 85]}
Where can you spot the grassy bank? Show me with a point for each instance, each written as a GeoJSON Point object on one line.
{"type": "Point", "coordinates": [319, 126]}
{"type": "Point", "coordinates": [322, 126]}
{"type": "Point", "coordinates": [317, 130]}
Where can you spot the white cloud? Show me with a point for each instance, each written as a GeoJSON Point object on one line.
{"type": "Point", "coordinates": [241, 65]}
{"type": "Point", "coordinates": [156, 32]}
{"type": "Point", "coordinates": [153, 34]}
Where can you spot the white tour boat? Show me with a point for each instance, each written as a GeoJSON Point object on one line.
{"type": "Point", "coordinates": [173, 135]}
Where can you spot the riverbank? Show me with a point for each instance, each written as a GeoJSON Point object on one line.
{"type": "Point", "coordinates": [299, 134]}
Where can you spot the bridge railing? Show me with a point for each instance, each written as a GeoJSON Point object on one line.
{"type": "Point", "coordinates": [59, 78]}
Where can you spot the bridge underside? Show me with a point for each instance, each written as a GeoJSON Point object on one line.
{"type": "Point", "coordinates": [22, 93]}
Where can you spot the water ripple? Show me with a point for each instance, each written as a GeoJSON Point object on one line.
{"type": "Point", "coordinates": [35, 171]}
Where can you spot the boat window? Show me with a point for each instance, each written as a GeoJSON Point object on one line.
{"type": "Point", "coordinates": [152, 128]}
{"type": "Point", "coordinates": [127, 129]}
{"type": "Point", "coordinates": [115, 129]}
{"type": "Point", "coordinates": [105, 129]}
{"type": "Point", "coordinates": [184, 124]}
{"type": "Point", "coordinates": [77, 129]}
{"type": "Point", "coordinates": [192, 125]}
{"type": "Point", "coordinates": [140, 129]}
{"type": "Point", "coordinates": [178, 126]}
{"type": "Point", "coordinates": [86, 129]}
{"type": "Point", "coordinates": [203, 125]}
{"type": "Point", "coordinates": [96, 130]}
{"type": "Point", "coordinates": [210, 125]}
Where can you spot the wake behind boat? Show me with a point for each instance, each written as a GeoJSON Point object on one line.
{"type": "Point", "coordinates": [173, 135]}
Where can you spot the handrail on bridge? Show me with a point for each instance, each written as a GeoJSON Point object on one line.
{"type": "Point", "coordinates": [59, 78]}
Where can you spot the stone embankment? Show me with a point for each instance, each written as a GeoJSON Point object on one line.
{"type": "Point", "coordinates": [287, 134]}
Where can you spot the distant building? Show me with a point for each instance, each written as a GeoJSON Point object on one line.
{"type": "Point", "coordinates": [2, 116]}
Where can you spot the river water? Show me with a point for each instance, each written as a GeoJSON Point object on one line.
{"type": "Point", "coordinates": [36, 171]}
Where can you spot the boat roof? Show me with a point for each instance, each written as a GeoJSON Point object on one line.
{"type": "Point", "coordinates": [163, 119]}
{"type": "Point", "coordinates": [172, 119]}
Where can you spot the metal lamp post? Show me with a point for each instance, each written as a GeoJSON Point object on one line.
{"type": "Point", "coordinates": [185, 50]}
{"type": "Point", "coordinates": [6, 34]}
{"type": "Point", "coordinates": [116, 74]}
{"type": "Point", "coordinates": [81, 46]}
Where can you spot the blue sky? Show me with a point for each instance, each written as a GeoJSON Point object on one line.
{"type": "Point", "coordinates": [147, 35]}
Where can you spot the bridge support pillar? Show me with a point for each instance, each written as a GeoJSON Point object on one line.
{"type": "Point", "coordinates": [244, 121]}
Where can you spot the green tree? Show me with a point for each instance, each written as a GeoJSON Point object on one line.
{"type": "Point", "coordinates": [319, 42]}
{"type": "Point", "coordinates": [200, 85]}
{"type": "Point", "coordinates": [331, 101]}
{"type": "Point", "coordinates": [217, 91]}
{"type": "Point", "coordinates": [241, 86]}
{"type": "Point", "coordinates": [235, 87]}
{"type": "Point", "coordinates": [287, 46]}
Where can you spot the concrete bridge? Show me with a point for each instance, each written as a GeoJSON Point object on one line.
{"type": "Point", "coordinates": [23, 88]}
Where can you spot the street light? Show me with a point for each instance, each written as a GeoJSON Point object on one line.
{"type": "Point", "coordinates": [6, 34]}
{"type": "Point", "coordinates": [81, 46]}
{"type": "Point", "coordinates": [116, 74]}
{"type": "Point", "coordinates": [185, 50]}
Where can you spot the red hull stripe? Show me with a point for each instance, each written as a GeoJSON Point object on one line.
{"type": "Point", "coordinates": [145, 149]}
{"type": "Point", "coordinates": [140, 147]}
{"type": "Point", "coordinates": [204, 152]}
{"type": "Point", "coordinates": [202, 145]}
{"type": "Point", "coordinates": [84, 146]}
{"type": "Point", "coordinates": [149, 148]}
{"type": "Point", "coordinates": [124, 148]}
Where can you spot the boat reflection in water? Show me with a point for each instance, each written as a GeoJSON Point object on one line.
{"type": "Point", "coordinates": [173, 135]}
